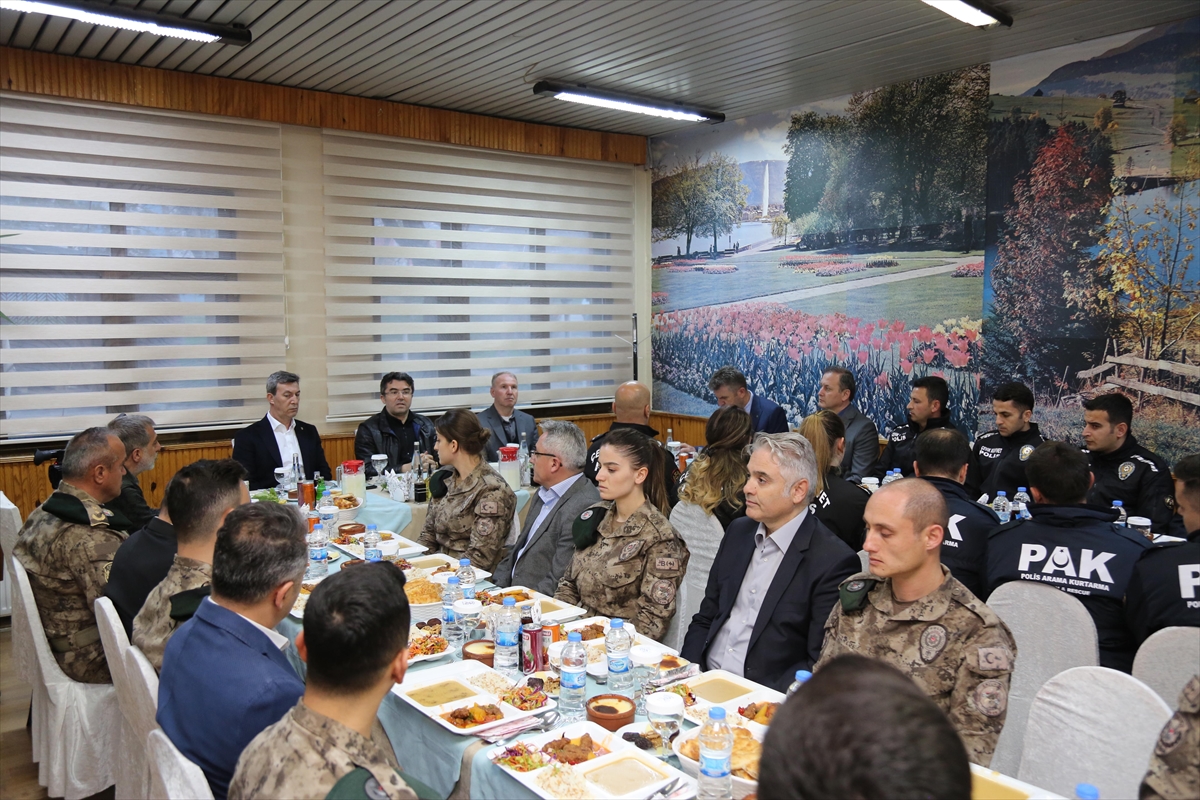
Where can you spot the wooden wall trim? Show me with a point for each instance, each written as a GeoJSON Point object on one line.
{"type": "Point", "coordinates": [104, 81]}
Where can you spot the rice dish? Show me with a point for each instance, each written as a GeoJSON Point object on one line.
{"type": "Point", "coordinates": [562, 782]}
{"type": "Point", "coordinates": [491, 682]}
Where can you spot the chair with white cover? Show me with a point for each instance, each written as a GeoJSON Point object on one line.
{"type": "Point", "coordinates": [143, 684]}
{"type": "Point", "coordinates": [1167, 661]}
{"type": "Point", "coordinates": [1053, 632]}
{"type": "Point", "coordinates": [1092, 725]}
{"type": "Point", "coordinates": [76, 725]}
{"type": "Point", "coordinates": [132, 772]}
{"type": "Point", "coordinates": [24, 658]}
{"type": "Point", "coordinates": [703, 534]}
{"type": "Point", "coordinates": [172, 775]}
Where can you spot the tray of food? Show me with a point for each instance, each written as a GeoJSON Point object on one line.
{"type": "Point", "coordinates": [392, 544]}
{"type": "Point", "coordinates": [573, 744]}
{"type": "Point", "coordinates": [747, 752]}
{"type": "Point", "coordinates": [438, 567]}
{"type": "Point", "coordinates": [623, 773]}
{"type": "Point", "coordinates": [720, 688]}
{"type": "Point", "coordinates": [594, 629]}
{"type": "Point", "coordinates": [468, 697]}
{"type": "Point", "coordinates": [552, 610]}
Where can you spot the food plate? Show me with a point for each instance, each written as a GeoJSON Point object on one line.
{"type": "Point", "coordinates": [416, 637]}
{"type": "Point", "coordinates": [720, 688]}
{"type": "Point", "coordinates": [552, 610]}
{"type": "Point", "coordinates": [432, 561]}
{"type": "Point", "coordinates": [306, 588]}
{"type": "Point", "coordinates": [550, 681]}
{"type": "Point", "coordinates": [606, 741]}
{"type": "Point", "coordinates": [596, 646]}
{"type": "Point", "coordinates": [454, 681]}
{"type": "Point", "coordinates": [741, 786]}
{"type": "Point", "coordinates": [762, 696]}
{"type": "Point", "coordinates": [625, 772]}
{"type": "Point", "coordinates": [407, 547]}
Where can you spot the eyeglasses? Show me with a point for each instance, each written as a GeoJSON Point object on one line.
{"type": "Point", "coordinates": [398, 393]}
{"type": "Point", "coordinates": [543, 455]}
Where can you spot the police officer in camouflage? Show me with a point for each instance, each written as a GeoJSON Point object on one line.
{"type": "Point", "coordinates": [1076, 548]}
{"type": "Point", "coordinates": [1123, 469]}
{"type": "Point", "coordinates": [355, 642]}
{"type": "Point", "coordinates": [628, 560]}
{"type": "Point", "coordinates": [1000, 454]}
{"type": "Point", "coordinates": [67, 546]}
{"type": "Point", "coordinates": [912, 613]}
{"type": "Point", "coordinates": [928, 408]}
{"type": "Point", "coordinates": [1174, 772]}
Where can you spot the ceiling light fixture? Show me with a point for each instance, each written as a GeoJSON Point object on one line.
{"type": "Point", "coordinates": [132, 19]}
{"type": "Point", "coordinates": [972, 12]}
{"type": "Point", "coordinates": [619, 101]}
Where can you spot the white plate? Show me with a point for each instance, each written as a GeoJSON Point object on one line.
{"type": "Point", "coordinates": [667, 773]}
{"type": "Point", "coordinates": [741, 786]}
{"type": "Point", "coordinates": [761, 696]}
{"type": "Point", "coordinates": [462, 671]}
{"type": "Point", "coordinates": [431, 561]}
{"type": "Point", "coordinates": [609, 741]}
{"type": "Point", "coordinates": [544, 675]}
{"type": "Point", "coordinates": [406, 548]}
{"type": "Point", "coordinates": [553, 610]}
{"type": "Point", "coordinates": [415, 633]}
{"type": "Point", "coordinates": [638, 639]}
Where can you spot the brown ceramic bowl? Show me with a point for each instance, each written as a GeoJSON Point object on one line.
{"type": "Point", "coordinates": [610, 711]}
{"type": "Point", "coordinates": [480, 650]}
{"type": "Point", "coordinates": [354, 562]}
{"type": "Point", "coordinates": [351, 528]}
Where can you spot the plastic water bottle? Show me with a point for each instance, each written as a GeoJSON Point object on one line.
{"type": "Point", "coordinates": [1122, 519]}
{"type": "Point", "coordinates": [327, 510]}
{"type": "Point", "coordinates": [893, 475]}
{"type": "Point", "coordinates": [452, 631]}
{"type": "Point", "coordinates": [1086, 791]}
{"type": "Point", "coordinates": [573, 677]}
{"type": "Point", "coordinates": [1002, 507]}
{"type": "Point", "coordinates": [507, 660]}
{"type": "Point", "coordinates": [617, 643]}
{"type": "Point", "coordinates": [1021, 501]}
{"type": "Point", "coordinates": [524, 462]}
{"type": "Point", "coordinates": [318, 553]}
{"type": "Point", "coordinates": [466, 578]}
{"type": "Point", "coordinates": [371, 551]}
{"type": "Point", "coordinates": [716, 755]}
{"type": "Point", "coordinates": [802, 676]}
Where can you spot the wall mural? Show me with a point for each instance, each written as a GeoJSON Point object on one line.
{"type": "Point", "coordinates": [1034, 219]}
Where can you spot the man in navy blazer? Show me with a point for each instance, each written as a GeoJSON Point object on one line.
{"type": "Point", "coordinates": [269, 443]}
{"type": "Point", "coordinates": [504, 419]}
{"type": "Point", "coordinates": [775, 578]}
{"type": "Point", "coordinates": [728, 384]}
{"type": "Point", "coordinates": [224, 678]}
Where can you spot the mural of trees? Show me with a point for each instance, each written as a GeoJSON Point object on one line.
{"type": "Point", "coordinates": [698, 197]}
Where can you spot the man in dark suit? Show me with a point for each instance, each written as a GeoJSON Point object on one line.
{"type": "Point", "coordinates": [775, 578]}
{"type": "Point", "coordinates": [270, 443]}
{"type": "Point", "coordinates": [224, 678]}
{"type": "Point", "coordinates": [728, 384]}
{"type": "Point", "coordinates": [836, 394]}
{"type": "Point", "coordinates": [544, 549]}
{"type": "Point", "coordinates": [502, 418]}
{"type": "Point", "coordinates": [396, 431]}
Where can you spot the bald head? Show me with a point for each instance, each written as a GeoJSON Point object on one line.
{"type": "Point", "coordinates": [921, 503]}
{"type": "Point", "coordinates": [631, 403]}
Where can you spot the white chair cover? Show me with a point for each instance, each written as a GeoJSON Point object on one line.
{"type": "Point", "coordinates": [132, 772]}
{"type": "Point", "coordinates": [24, 658]}
{"type": "Point", "coordinates": [172, 776]}
{"type": "Point", "coordinates": [1092, 725]}
{"type": "Point", "coordinates": [702, 533]}
{"type": "Point", "coordinates": [143, 684]}
{"type": "Point", "coordinates": [76, 726]}
{"type": "Point", "coordinates": [1167, 661]}
{"type": "Point", "coordinates": [1053, 632]}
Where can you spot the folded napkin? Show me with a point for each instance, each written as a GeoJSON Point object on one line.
{"type": "Point", "coordinates": [493, 735]}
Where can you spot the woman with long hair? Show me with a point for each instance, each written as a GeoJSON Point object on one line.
{"type": "Point", "coordinates": [711, 497]}
{"type": "Point", "coordinates": [628, 560]}
{"type": "Point", "coordinates": [839, 503]}
{"type": "Point", "coordinates": [470, 505]}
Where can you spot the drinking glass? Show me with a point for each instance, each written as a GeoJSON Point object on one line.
{"type": "Point", "coordinates": [379, 462]}
{"type": "Point", "coordinates": [283, 476]}
{"type": "Point", "coordinates": [665, 712]}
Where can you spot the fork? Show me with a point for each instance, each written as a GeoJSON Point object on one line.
{"type": "Point", "coordinates": [546, 723]}
{"type": "Point", "coordinates": [666, 791]}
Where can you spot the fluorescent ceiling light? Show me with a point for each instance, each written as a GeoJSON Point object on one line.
{"type": "Point", "coordinates": [972, 13]}
{"type": "Point", "coordinates": [132, 19]}
{"type": "Point", "coordinates": [624, 102]}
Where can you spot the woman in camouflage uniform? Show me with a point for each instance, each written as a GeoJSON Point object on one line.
{"type": "Point", "coordinates": [628, 560]}
{"type": "Point", "coordinates": [471, 516]}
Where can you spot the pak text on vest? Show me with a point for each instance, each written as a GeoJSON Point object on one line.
{"type": "Point", "coordinates": [1189, 581]}
{"type": "Point", "coordinates": [1061, 561]}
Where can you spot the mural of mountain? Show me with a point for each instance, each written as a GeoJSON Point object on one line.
{"type": "Point", "coordinates": [1163, 62]}
{"type": "Point", "coordinates": [752, 172]}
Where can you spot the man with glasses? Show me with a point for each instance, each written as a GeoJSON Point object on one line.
{"type": "Point", "coordinates": [396, 429]}
{"type": "Point", "coordinates": [544, 549]}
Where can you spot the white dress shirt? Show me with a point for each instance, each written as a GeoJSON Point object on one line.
{"type": "Point", "coordinates": [550, 497]}
{"type": "Point", "coordinates": [732, 642]}
{"type": "Point", "coordinates": [285, 438]}
{"type": "Point", "coordinates": [277, 638]}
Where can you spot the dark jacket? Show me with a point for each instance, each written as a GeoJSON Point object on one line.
{"type": "Point", "coordinates": [490, 418]}
{"type": "Point", "coordinates": [767, 417]}
{"type": "Point", "coordinates": [999, 462]}
{"type": "Point", "coordinates": [222, 682]}
{"type": "Point", "coordinates": [790, 627]}
{"type": "Point", "coordinates": [862, 444]}
{"type": "Point", "coordinates": [964, 547]}
{"type": "Point", "coordinates": [140, 564]}
{"type": "Point", "coordinates": [1165, 588]}
{"type": "Point", "coordinates": [841, 508]}
{"type": "Point", "coordinates": [592, 464]}
{"type": "Point", "coordinates": [547, 559]}
{"type": "Point", "coordinates": [375, 435]}
{"type": "Point", "coordinates": [132, 503]}
{"type": "Point", "coordinates": [255, 448]}
{"type": "Point", "coordinates": [902, 445]}
{"type": "Point", "coordinates": [1140, 480]}
{"type": "Point", "coordinates": [1080, 550]}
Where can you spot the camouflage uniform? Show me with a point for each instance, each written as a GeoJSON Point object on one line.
{"type": "Point", "coordinates": [632, 572]}
{"type": "Point", "coordinates": [950, 643]}
{"type": "Point", "coordinates": [473, 519]}
{"type": "Point", "coordinates": [67, 547]}
{"type": "Point", "coordinates": [153, 626]}
{"type": "Point", "coordinates": [305, 754]}
{"type": "Point", "coordinates": [1175, 766]}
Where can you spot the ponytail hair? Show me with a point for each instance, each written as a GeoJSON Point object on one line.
{"type": "Point", "coordinates": [462, 426]}
{"type": "Point", "coordinates": [822, 430]}
{"type": "Point", "coordinates": [642, 451]}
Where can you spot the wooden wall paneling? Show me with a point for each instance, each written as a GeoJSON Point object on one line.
{"type": "Point", "coordinates": [88, 79]}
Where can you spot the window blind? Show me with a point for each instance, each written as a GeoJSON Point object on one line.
{"type": "Point", "coordinates": [451, 264]}
{"type": "Point", "coordinates": [142, 268]}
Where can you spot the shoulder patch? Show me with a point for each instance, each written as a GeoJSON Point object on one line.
{"type": "Point", "coordinates": [1125, 470]}
{"type": "Point", "coordinates": [853, 593]}
{"type": "Point", "coordinates": [991, 697]}
{"type": "Point", "coordinates": [665, 563]}
{"type": "Point", "coordinates": [933, 642]}
{"type": "Point", "coordinates": [995, 658]}
{"type": "Point", "coordinates": [1026, 452]}
{"type": "Point", "coordinates": [662, 592]}
{"type": "Point", "coordinates": [630, 550]}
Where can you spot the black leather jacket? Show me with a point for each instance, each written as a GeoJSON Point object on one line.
{"type": "Point", "coordinates": [374, 435]}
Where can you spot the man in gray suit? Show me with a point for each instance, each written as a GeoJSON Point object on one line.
{"type": "Point", "coordinates": [862, 437]}
{"type": "Point", "coordinates": [503, 419]}
{"type": "Point", "coordinates": [544, 549]}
